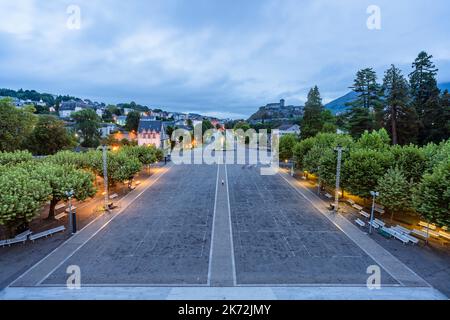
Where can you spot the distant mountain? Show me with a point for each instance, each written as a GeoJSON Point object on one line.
{"type": "Point", "coordinates": [338, 105]}
{"type": "Point", "coordinates": [444, 86]}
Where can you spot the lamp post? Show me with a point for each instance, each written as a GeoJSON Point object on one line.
{"type": "Point", "coordinates": [105, 177]}
{"type": "Point", "coordinates": [292, 168]}
{"type": "Point", "coordinates": [374, 195]}
{"type": "Point", "coordinates": [318, 180]}
{"type": "Point", "coordinates": [72, 214]}
{"type": "Point", "coordinates": [339, 150]}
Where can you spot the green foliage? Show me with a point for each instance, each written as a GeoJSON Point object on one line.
{"type": "Point", "coordinates": [400, 119]}
{"type": "Point", "coordinates": [375, 140]}
{"type": "Point", "coordinates": [432, 195]}
{"type": "Point", "coordinates": [21, 196]}
{"type": "Point", "coordinates": [88, 123]}
{"type": "Point", "coordinates": [49, 136]}
{"type": "Point", "coordinates": [120, 166]}
{"type": "Point", "coordinates": [145, 154]}
{"type": "Point", "coordinates": [395, 191]}
{"type": "Point", "coordinates": [62, 179]}
{"type": "Point", "coordinates": [286, 146]}
{"type": "Point", "coordinates": [14, 158]}
{"type": "Point", "coordinates": [75, 159]}
{"type": "Point", "coordinates": [363, 168]}
{"type": "Point", "coordinates": [16, 125]}
{"type": "Point", "coordinates": [132, 121]}
{"type": "Point", "coordinates": [410, 160]}
{"type": "Point", "coordinates": [312, 121]}
{"type": "Point", "coordinates": [301, 149]}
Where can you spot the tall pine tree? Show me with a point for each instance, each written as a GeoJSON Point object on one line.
{"type": "Point", "coordinates": [425, 94]}
{"type": "Point", "coordinates": [312, 121]}
{"type": "Point", "coordinates": [400, 120]}
{"type": "Point", "coordinates": [366, 112]}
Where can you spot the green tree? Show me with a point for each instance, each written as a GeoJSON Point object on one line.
{"type": "Point", "coordinates": [88, 123]}
{"type": "Point", "coordinates": [431, 197]}
{"type": "Point", "coordinates": [399, 118]}
{"type": "Point", "coordinates": [363, 168]}
{"type": "Point", "coordinates": [49, 136]}
{"type": "Point", "coordinates": [375, 140]}
{"type": "Point", "coordinates": [395, 191]}
{"type": "Point", "coordinates": [21, 196]}
{"type": "Point", "coordinates": [366, 112]}
{"type": "Point", "coordinates": [16, 125]}
{"type": "Point", "coordinates": [312, 121]}
{"type": "Point", "coordinates": [62, 179]}
{"type": "Point", "coordinates": [132, 121]}
{"type": "Point", "coordinates": [410, 160]}
{"type": "Point", "coordinates": [425, 94]}
{"type": "Point", "coordinates": [286, 146]}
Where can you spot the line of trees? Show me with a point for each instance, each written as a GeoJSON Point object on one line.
{"type": "Point", "coordinates": [27, 183]}
{"type": "Point", "coordinates": [412, 110]}
{"type": "Point", "coordinates": [410, 179]}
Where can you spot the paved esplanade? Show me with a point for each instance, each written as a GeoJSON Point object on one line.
{"type": "Point", "coordinates": [184, 235]}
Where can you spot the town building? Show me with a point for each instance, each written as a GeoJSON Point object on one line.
{"type": "Point", "coordinates": [153, 132]}
{"type": "Point", "coordinates": [285, 129]}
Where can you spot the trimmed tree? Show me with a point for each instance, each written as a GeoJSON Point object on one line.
{"type": "Point", "coordinates": [395, 191]}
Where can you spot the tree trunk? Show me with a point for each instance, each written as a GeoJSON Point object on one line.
{"type": "Point", "coordinates": [51, 211]}
{"type": "Point", "coordinates": [394, 125]}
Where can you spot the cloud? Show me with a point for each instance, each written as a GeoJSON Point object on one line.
{"type": "Point", "coordinates": [212, 56]}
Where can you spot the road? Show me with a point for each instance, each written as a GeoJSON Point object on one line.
{"type": "Point", "coordinates": [222, 226]}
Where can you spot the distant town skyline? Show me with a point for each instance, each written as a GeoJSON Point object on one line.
{"type": "Point", "coordinates": [212, 57]}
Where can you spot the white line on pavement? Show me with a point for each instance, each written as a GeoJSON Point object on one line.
{"type": "Point", "coordinates": [231, 228]}
{"type": "Point", "coordinates": [213, 228]}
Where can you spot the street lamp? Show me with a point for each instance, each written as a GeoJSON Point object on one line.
{"type": "Point", "coordinates": [318, 180]}
{"type": "Point", "coordinates": [339, 150]}
{"type": "Point", "coordinates": [72, 214]}
{"type": "Point", "coordinates": [105, 176]}
{"type": "Point", "coordinates": [374, 194]}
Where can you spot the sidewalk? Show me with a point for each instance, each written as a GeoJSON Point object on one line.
{"type": "Point", "coordinates": [17, 259]}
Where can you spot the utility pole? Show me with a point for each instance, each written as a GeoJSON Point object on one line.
{"type": "Point", "coordinates": [318, 180]}
{"type": "Point", "coordinates": [105, 176]}
{"type": "Point", "coordinates": [374, 194]}
{"type": "Point", "coordinates": [72, 214]}
{"type": "Point", "coordinates": [339, 150]}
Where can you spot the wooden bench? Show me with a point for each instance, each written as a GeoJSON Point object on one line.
{"type": "Point", "coordinates": [374, 224]}
{"type": "Point", "coordinates": [350, 202]}
{"type": "Point", "coordinates": [360, 222]}
{"type": "Point", "coordinates": [357, 207]}
{"type": "Point", "coordinates": [420, 233]}
{"type": "Point", "coordinates": [68, 209]}
{"type": "Point", "coordinates": [60, 206]}
{"type": "Point", "coordinates": [402, 229]}
{"type": "Point", "coordinates": [9, 242]}
{"type": "Point", "coordinates": [427, 225]}
{"type": "Point", "coordinates": [137, 183]}
{"type": "Point", "coordinates": [329, 196]}
{"type": "Point", "coordinates": [24, 234]}
{"type": "Point", "coordinates": [411, 238]}
{"type": "Point", "coordinates": [365, 214]}
{"type": "Point", "coordinates": [378, 208]}
{"type": "Point", "coordinates": [113, 196]}
{"type": "Point", "coordinates": [444, 234]}
{"type": "Point", "coordinates": [379, 222]}
{"type": "Point", "coordinates": [384, 233]}
{"type": "Point", "coordinates": [60, 216]}
{"type": "Point", "coordinates": [46, 233]}
{"type": "Point", "coordinates": [431, 232]}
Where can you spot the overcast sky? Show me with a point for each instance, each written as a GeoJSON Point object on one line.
{"type": "Point", "coordinates": [219, 57]}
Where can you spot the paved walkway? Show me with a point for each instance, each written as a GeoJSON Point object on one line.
{"type": "Point", "coordinates": [399, 271]}
{"type": "Point", "coordinates": [44, 268]}
{"type": "Point", "coordinates": [221, 293]}
{"type": "Point", "coordinates": [222, 270]}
